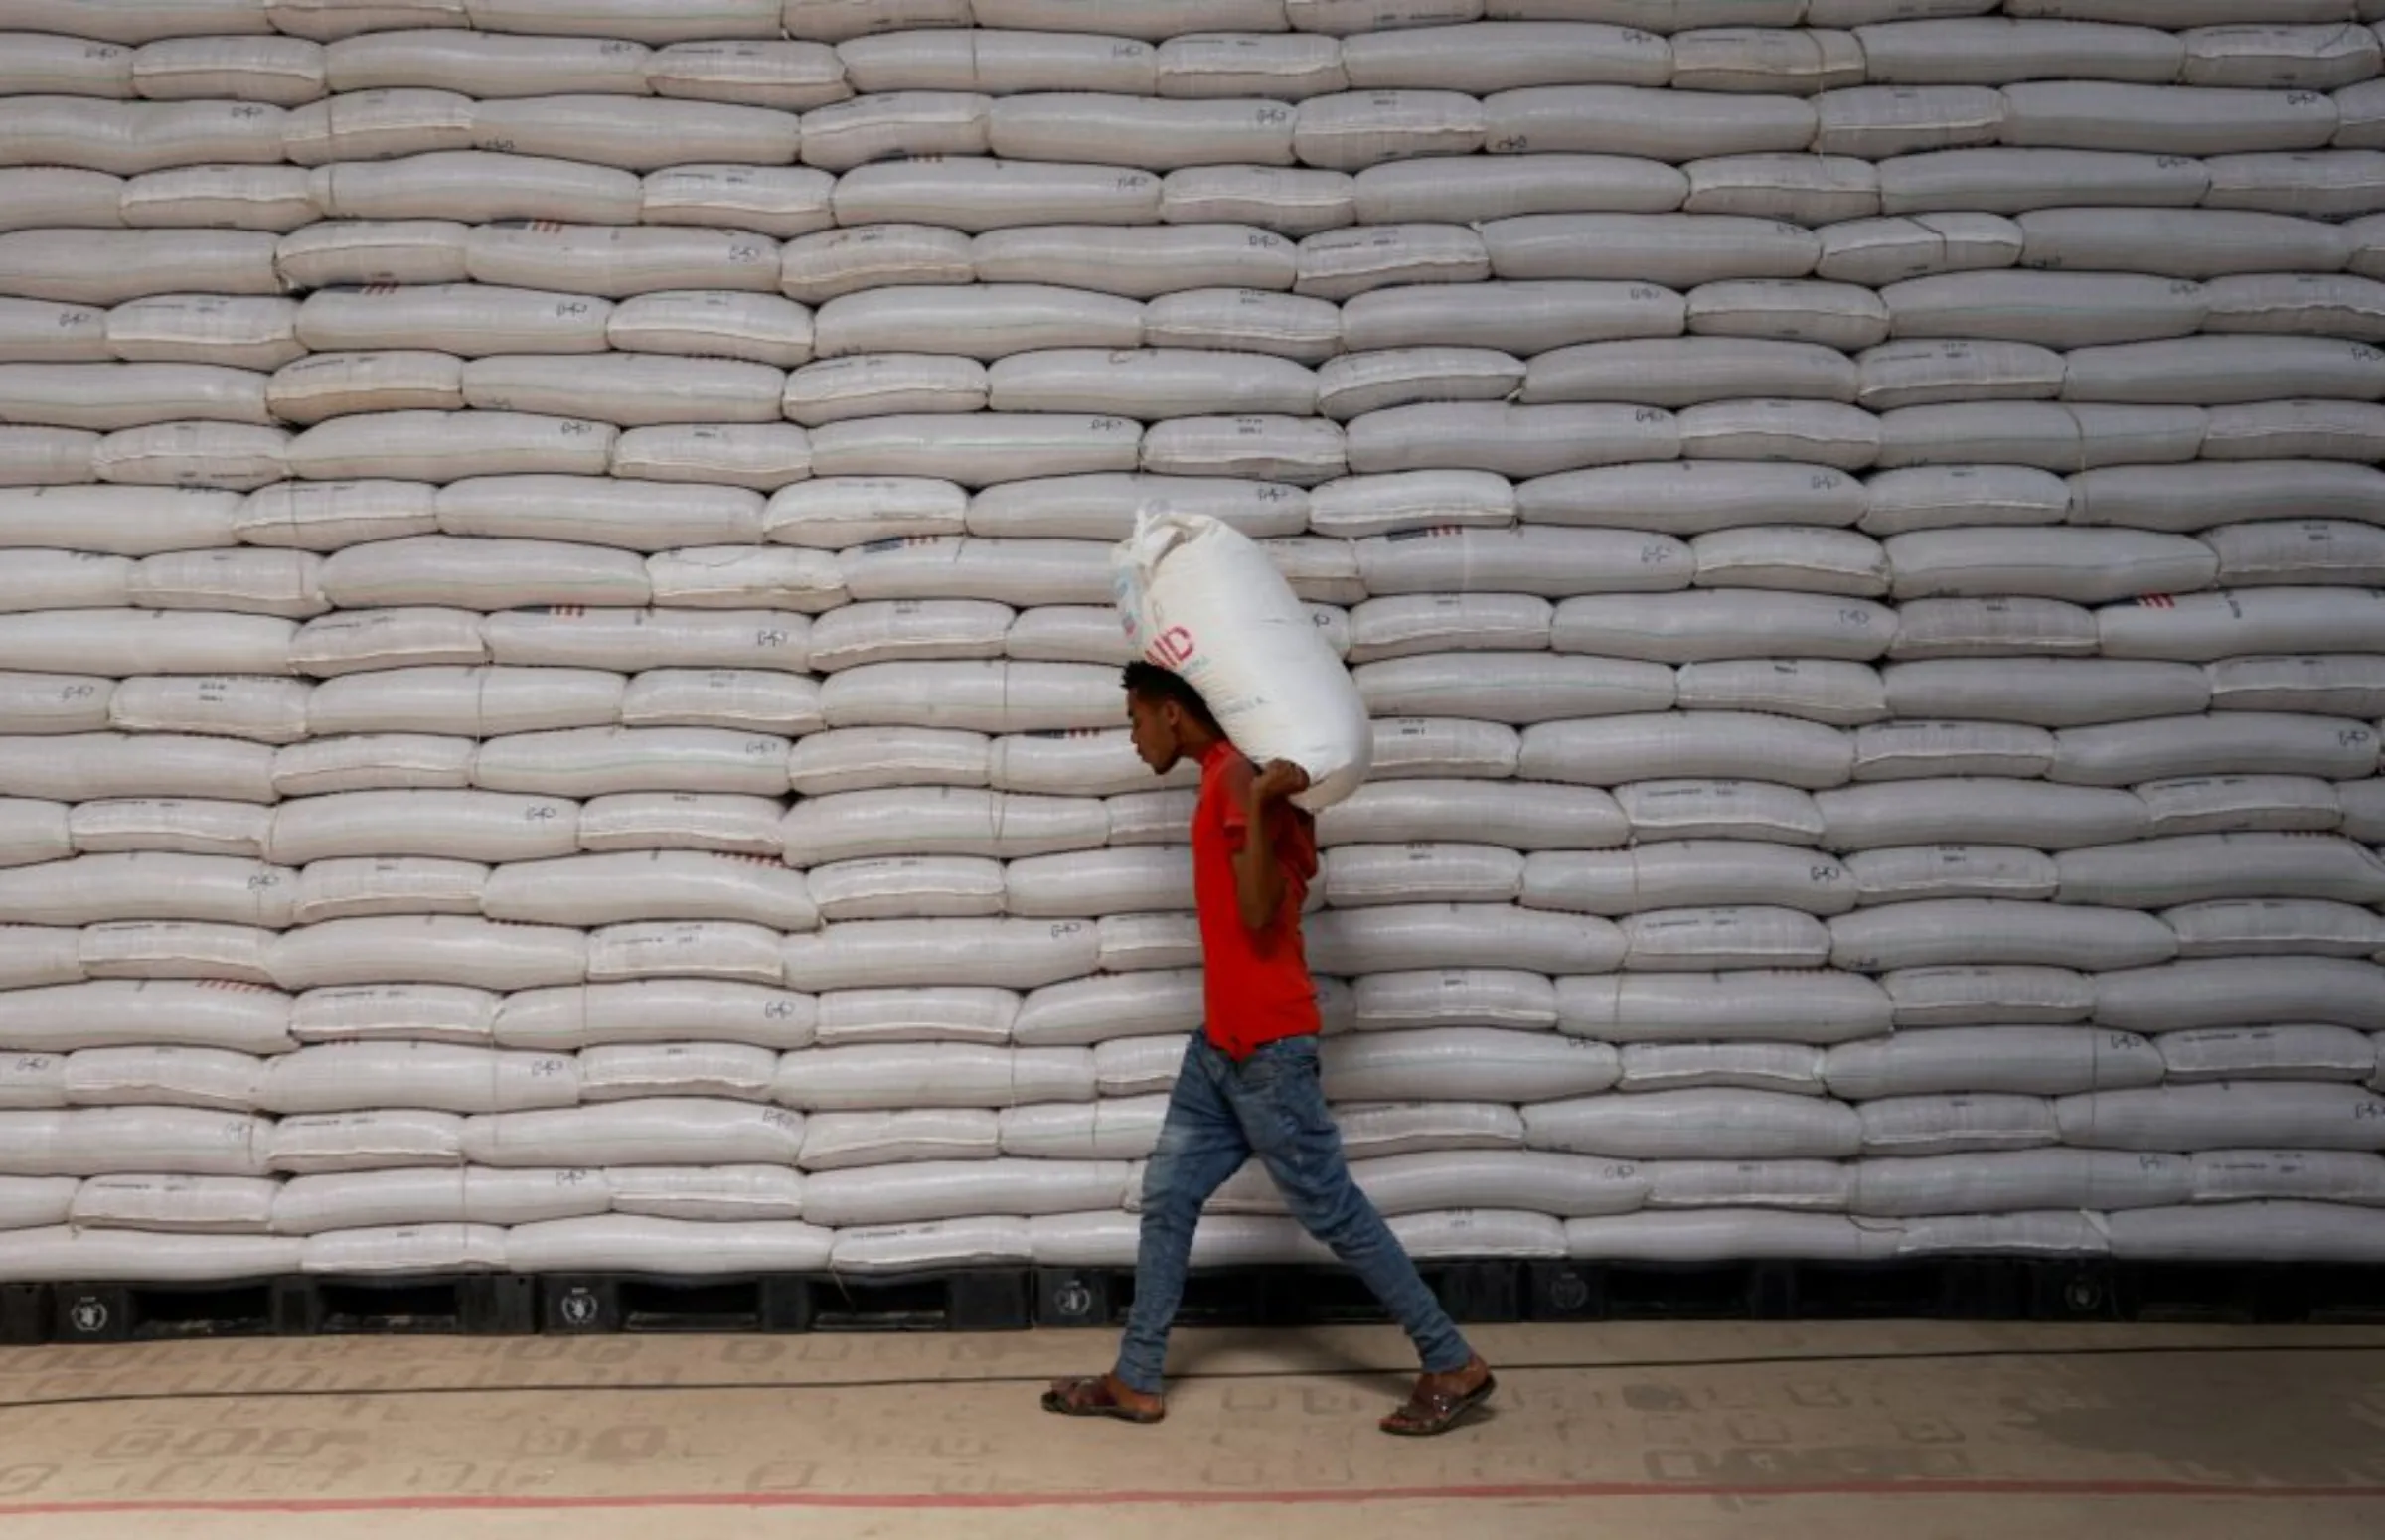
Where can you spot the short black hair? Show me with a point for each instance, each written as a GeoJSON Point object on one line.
{"type": "Point", "coordinates": [1147, 680]}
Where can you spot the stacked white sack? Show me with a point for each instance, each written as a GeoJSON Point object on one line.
{"type": "Point", "coordinates": [559, 645]}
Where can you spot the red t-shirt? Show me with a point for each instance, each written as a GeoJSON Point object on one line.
{"type": "Point", "coordinates": [1256, 983]}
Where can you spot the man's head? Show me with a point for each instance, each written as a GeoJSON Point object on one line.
{"type": "Point", "coordinates": [1171, 721]}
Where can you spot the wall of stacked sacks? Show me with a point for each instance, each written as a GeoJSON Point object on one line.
{"type": "Point", "coordinates": [560, 693]}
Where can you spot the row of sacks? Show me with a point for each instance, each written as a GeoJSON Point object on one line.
{"type": "Point", "coordinates": [2288, 943]}
{"type": "Point", "coordinates": [1716, 384]}
{"type": "Point", "coordinates": [1946, 1089]}
{"type": "Point", "coordinates": [368, 905]}
{"type": "Point", "coordinates": [1443, 589]}
{"type": "Point", "coordinates": [743, 59]}
{"type": "Point", "coordinates": [1415, 659]}
{"type": "Point", "coordinates": [2008, 1182]}
{"type": "Point", "coordinates": [945, 1160]}
{"type": "Point", "coordinates": [840, 21]}
{"type": "Point", "coordinates": [1948, 1024]}
{"type": "Point", "coordinates": [2311, 1231]}
{"type": "Point", "coordinates": [1585, 784]}
{"type": "Point", "coordinates": [1498, 587]}
{"type": "Point", "coordinates": [2189, 841]}
{"type": "Point", "coordinates": [936, 666]}
{"type": "Point", "coordinates": [1345, 131]}
{"type": "Point", "coordinates": [1610, 731]}
{"type": "Point", "coordinates": [74, 626]}
{"type": "Point", "coordinates": [1678, 499]}
{"type": "Point", "coordinates": [2068, 243]}
{"type": "Point", "coordinates": [240, 565]}
{"type": "Point", "coordinates": [576, 289]}
{"type": "Point", "coordinates": [2266, 1231]}
{"type": "Point", "coordinates": [2245, 890]}
{"type": "Point", "coordinates": [2268, 647]}
{"type": "Point", "coordinates": [191, 1112]}
{"type": "Point", "coordinates": [344, 350]}
{"type": "Point", "coordinates": [1680, 903]}
{"type": "Point", "coordinates": [1755, 338]}
{"type": "Point", "coordinates": [2274, 835]}
{"type": "Point", "coordinates": [978, 449]}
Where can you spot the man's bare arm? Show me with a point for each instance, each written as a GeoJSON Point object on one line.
{"type": "Point", "coordinates": [1258, 873]}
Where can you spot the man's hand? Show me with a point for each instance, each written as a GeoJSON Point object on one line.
{"type": "Point", "coordinates": [1280, 779]}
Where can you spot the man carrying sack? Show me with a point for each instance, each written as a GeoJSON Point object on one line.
{"type": "Point", "coordinates": [1249, 1084]}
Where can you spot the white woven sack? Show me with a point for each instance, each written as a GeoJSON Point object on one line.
{"type": "Point", "coordinates": [2186, 1118]}
{"type": "Point", "coordinates": [658, 1131]}
{"type": "Point", "coordinates": [1714, 1124]}
{"type": "Point", "coordinates": [2243, 804]}
{"type": "Point", "coordinates": [1202, 599]}
{"type": "Point", "coordinates": [30, 1202]}
{"type": "Point", "coordinates": [937, 54]}
{"type": "Point", "coordinates": [307, 1205]}
{"type": "Point", "coordinates": [2288, 1052]}
{"type": "Point", "coordinates": [658, 1011]}
{"type": "Point", "coordinates": [198, 828]}
{"type": "Point", "coordinates": [70, 1015]}
{"type": "Point", "coordinates": [1883, 250]}
{"type": "Point", "coordinates": [2241, 991]}
{"type": "Point", "coordinates": [1940, 630]}
{"type": "Point", "coordinates": [2244, 1175]}
{"type": "Point", "coordinates": [409, 1012]}
{"type": "Point", "coordinates": [2271, 926]}
{"type": "Point", "coordinates": [1525, 816]}
{"type": "Point", "coordinates": [366, 1141]}
{"type": "Point", "coordinates": [954, 1189]}
{"type": "Point", "coordinates": [67, 1252]}
{"type": "Point", "coordinates": [2273, 1231]}
{"type": "Point", "coordinates": [1687, 874]}
{"type": "Point", "coordinates": [644, 1244]}
{"type": "Point", "coordinates": [1818, 1007]}
{"type": "Point", "coordinates": [1954, 870]}
{"type": "Point", "coordinates": [837, 1141]}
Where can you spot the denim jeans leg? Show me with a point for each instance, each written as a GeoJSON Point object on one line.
{"type": "Point", "coordinates": [1201, 1144]}
{"type": "Point", "coordinates": [1285, 1115]}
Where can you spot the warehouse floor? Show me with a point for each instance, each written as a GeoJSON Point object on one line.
{"type": "Point", "coordinates": [1620, 1432]}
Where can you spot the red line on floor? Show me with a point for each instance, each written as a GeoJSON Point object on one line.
{"type": "Point", "coordinates": [964, 1501]}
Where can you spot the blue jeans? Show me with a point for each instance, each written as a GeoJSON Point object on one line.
{"type": "Point", "coordinates": [1270, 1105]}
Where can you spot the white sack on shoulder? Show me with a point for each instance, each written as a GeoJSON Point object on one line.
{"type": "Point", "coordinates": [1200, 597]}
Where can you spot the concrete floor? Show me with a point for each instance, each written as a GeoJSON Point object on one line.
{"type": "Point", "coordinates": [1622, 1432]}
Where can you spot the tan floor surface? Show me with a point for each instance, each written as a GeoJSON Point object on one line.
{"type": "Point", "coordinates": [1625, 1432]}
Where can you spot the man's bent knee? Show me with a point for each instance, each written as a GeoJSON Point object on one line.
{"type": "Point", "coordinates": [1163, 1189]}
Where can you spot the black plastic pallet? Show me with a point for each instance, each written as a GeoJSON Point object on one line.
{"type": "Point", "coordinates": [1474, 1292]}
{"type": "Point", "coordinates": [971, 1299]}
{"type": "Point", "coordinates": [1939, 1289]}
{"type": "Point", "coordinates": [1104, 1297]}
{"type": "Point", "coordinates": [463, 1305]}
{"type": "Point", "coordinates": [1013, 1299]}
{"type": "Point", "coordinates": [2249, 1293]}
{"type": "Point", "coordinates": [302, 1305]}
{"type": "Point", "coordinates": [152, 1312]}
{"type": "Point", "coordinates": [2071, 1291]}
{"type": "Point", "coordinates": [1723, 1291]}
{"type": "Point", "coordinates": [974, 1300]}
{"type": "Point", "coordinates": [580, 1304]}
{"type": "Point", "coordinates": [24, 1315]}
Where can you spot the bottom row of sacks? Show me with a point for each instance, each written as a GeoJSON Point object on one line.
{"type": "Point", "coordinates": [1465, 1176]}
{"type": "Point", "coordinates": [2275, 1231]}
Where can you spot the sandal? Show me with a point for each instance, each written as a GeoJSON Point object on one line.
{"type": "Point", "coordinates": [1096, 1396]}
{"type": "Point", "coordinates": [1437, 1405]}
